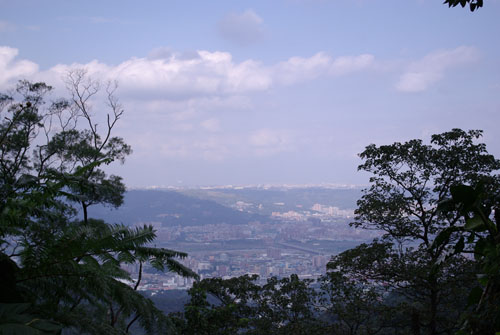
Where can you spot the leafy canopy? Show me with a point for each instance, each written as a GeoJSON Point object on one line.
{"type": "Point", "coordinates": [409, 180]}
{"type": "Point", "coordinates": [58, 265]}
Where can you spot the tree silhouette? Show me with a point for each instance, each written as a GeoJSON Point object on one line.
{"type": "Point", "coordinates": [473, 4]}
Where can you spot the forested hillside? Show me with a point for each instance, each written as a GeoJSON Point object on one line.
{"type": "Point", "coordinates": [270, 199]}
{"type": "Point", "coordinates": [172, 208]}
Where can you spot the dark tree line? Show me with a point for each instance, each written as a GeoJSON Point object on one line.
{"type": "Point", "coordinates": [59, 268]}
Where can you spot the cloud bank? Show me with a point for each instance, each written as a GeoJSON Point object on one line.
{"type": "Point", "coordinates": [181, 105]}
{"type": "Point", "coordinates": [180, 76]}
{"type": "Point", "coordinates": [12, 69]}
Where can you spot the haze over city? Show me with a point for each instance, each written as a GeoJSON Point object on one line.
{"type": "Point", "coordinates": [253, 92]}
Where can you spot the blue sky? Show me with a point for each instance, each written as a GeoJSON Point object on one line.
{"type": "Point", "coordinates": [249, 92]}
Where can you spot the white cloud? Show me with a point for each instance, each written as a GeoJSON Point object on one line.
{"type": "Point", "coordinates": [212, 73]}
{"type": "Point", "coordinates": [12, 69]}
{"type": "Point", "coordinates": [177, 77]}
{"type": "Point", "coordinates": [169, 97]}
{"type": "Point", "coordinates": [245, 28]}
{"type": "Point", "coordinates": [344, 65]}
{"type": "Point", "coordinates": [430, 69]}
{"type": "Point", "coordinates": [297, 69]}
{"type": "Point", "coordinates": [165, 75]}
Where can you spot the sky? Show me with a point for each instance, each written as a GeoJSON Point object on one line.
{"type": "Point", "coordinates": [264, 92]}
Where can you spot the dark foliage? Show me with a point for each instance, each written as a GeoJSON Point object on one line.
{"type": "Point", "coordinates": [59, 270]}
{"type": "Point", "coordinates": [473, 4]}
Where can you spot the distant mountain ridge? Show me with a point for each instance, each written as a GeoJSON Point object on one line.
{"type": "Point", "coordinates": [265, 201]}
{"type": "Point", "coordinates": [171, 208]}
{"type": "Point", "coordinates": [194, 207]}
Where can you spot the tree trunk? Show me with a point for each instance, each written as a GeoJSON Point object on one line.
{"type": "Point", "coordinates": [85, 214]}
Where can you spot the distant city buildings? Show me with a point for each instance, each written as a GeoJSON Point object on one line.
{"type": "Point", "coordinates": [274, 253]}
{"type": "Point", "coordinates": [333, 211]}
{"type": "Point", "coordinates": [301, 242]}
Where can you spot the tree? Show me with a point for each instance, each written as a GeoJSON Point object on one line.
{"type": "Point", "coordinates": [408, 182]}
{"type": "Point", "coordinates": [230, 310]}
{"type": "Point", "coordinates": [240, 306]}
{"type": "Point", "coordinates": [352, 306]}
{"type": "Point", "coordinates": [53, 265]}
{"type": "Point", "coordinates": [473, 4]}
{"type": "Point", "coordinates": [72, 148]}
{"type": "Point", "coordinates": [286, 306]}
{"type": "Point", "coordinates": [480, 207]}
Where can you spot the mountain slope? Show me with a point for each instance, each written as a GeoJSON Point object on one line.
{"type": "Point", "coordinates": [171, 208]}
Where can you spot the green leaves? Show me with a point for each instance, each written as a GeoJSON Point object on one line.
{"type": "Point", "coordinates": [70, 269]}
{"type": "Point", "coordinates": [240, 306]}
{"type": "Point", "coordinates": [475, 204]}
{"type": "Point", "coordinates": [473, 4]}
{"type": "Point", "coordinates": [475, 223]}
{"type": "Point", "coordinates": [444, 236]}
{"type": "Point", "coordinates": [428, 201]}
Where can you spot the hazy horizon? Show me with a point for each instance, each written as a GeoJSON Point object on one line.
{"type": "Point", "coordinates": [241, 186]}
{"type": "Point", "coordinates": [265, 92]}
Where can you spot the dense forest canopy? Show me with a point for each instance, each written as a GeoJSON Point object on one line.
{"type": "Point", "coordinates": [59, 268]}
